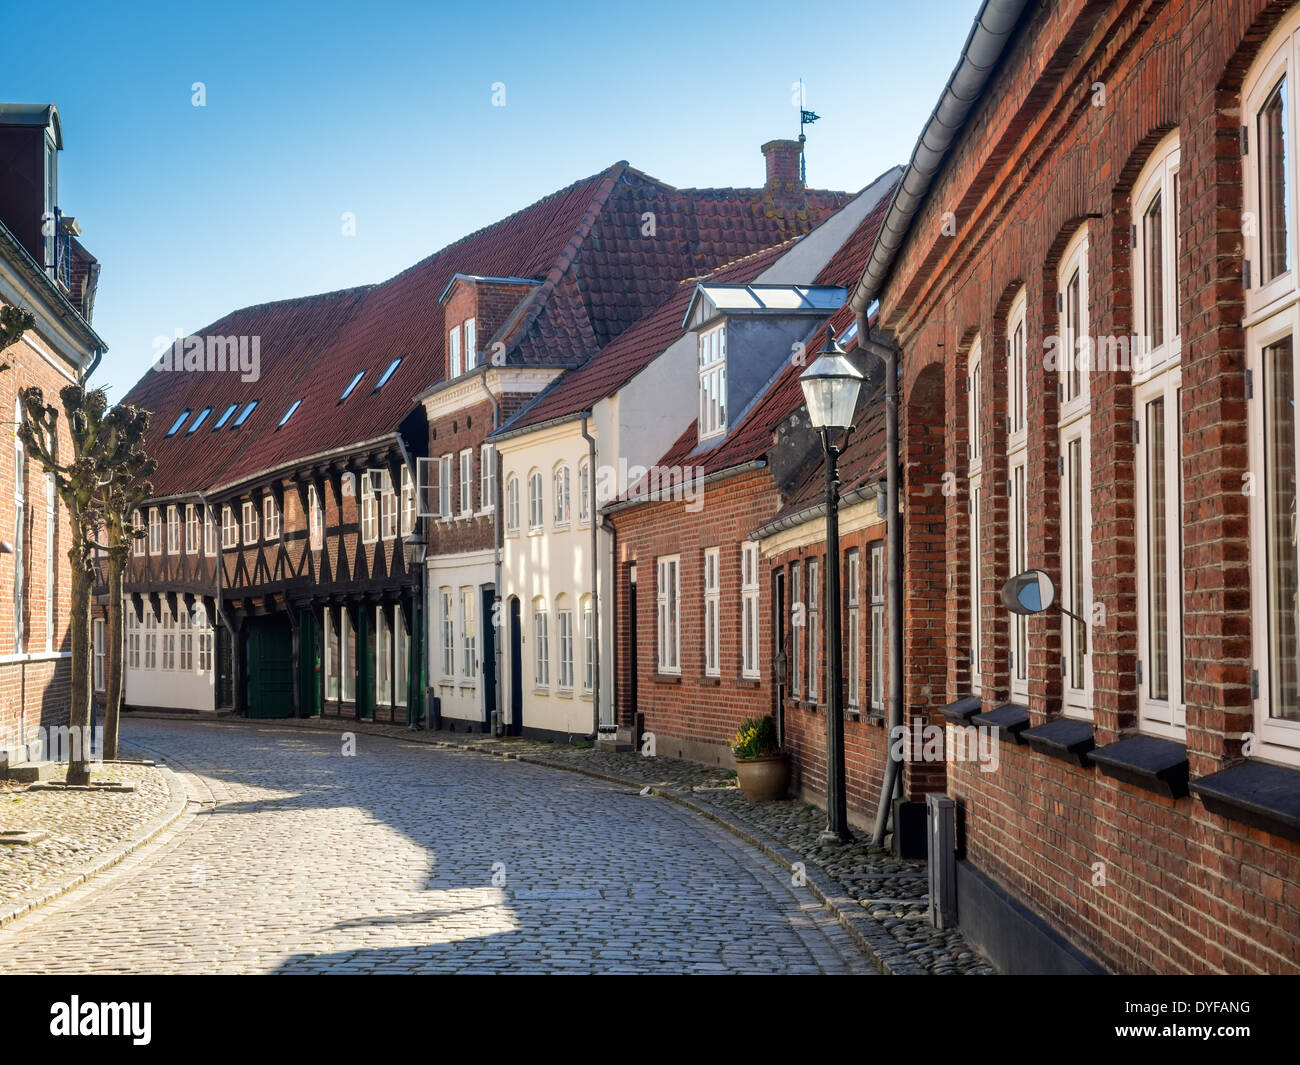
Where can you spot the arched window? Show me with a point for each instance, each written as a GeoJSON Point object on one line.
{"type": "Point", "coordinates": [975, 472]}
{"type": "Point", "coordinates": [512, 506]}
{"type": "Point", "coordinates": [534, 500]}
{"type": "Point", "coordinates": [560, 477]}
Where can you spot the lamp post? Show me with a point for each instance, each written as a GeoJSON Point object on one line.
{"type": "Point", "coordinates": [830, 388]}
{"type": "Point", "coordinates": [415, 549]}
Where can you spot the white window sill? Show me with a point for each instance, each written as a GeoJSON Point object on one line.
{"type": "Point", "coordinates": [541, 691]}
{"type": "Point", "coordinates": [485, 512]}
{"type": "Point", "coordinates": [537, 532]}
{"type": "Point", "coordinates": [561, 526]}
{"type": "Point", "coordinates": [33, 656]}
{"type": "Point", "coordinates": [586, 695]}
{"type": "Point", "coordinates": [564, 693]}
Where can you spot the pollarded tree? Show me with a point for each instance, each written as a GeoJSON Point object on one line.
{"type": "Point", "coordinates": [14, 322]}
{"type": "Point", "coordinates": [122, 488]}
{"type": "Point", "coordinates": [76, 479]}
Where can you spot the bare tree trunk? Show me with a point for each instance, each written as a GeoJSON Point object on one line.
{"type": "Point", "coordinates": [114, 686]}
{"type": "Point", "coordinates": [79, 714]}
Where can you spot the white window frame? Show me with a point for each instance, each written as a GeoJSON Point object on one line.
{"type": "Point", "coordinates": [173, 530]}
{"type": "Point", "coordinates": [1017, 483]}
{"type": "Point", "coordinates": [332, 676]}
{"type": "Point", "coordinates": [560, 486]}
{"type": "Point", "coordinates": [270, 517]}
{"type": "Point", "coordinates": [20, 529]}
{"type": "Point", "coordinates": [155, 532]}
{"type": "Point", "coordinates": [369, 509]}
{"type": "Point", "coordinates": [797, 607]}
{"type": "Point", "coordinates": [100, 653]}
{"type": "Point", "coordinates": [584, 492]}
{"type": "Point", "coordinates": [712, 611]}
{"type": "Point", "coordinates": [204, 631]}
{"type": "Point", "coordinates": [447, 634]}
{"type": "Point", "coordinates": [975, 477]}
{"type": "Point", "coordinates": [444, 487]}
{"type": "Point", "coordinates": [408, 501]}
{"type": "Point", "coordinates": [712, 362]}
{"type": "Point", "coordinates": [471, 343]}
{"type": "Point", "coordinates": [877, 577]}
{"type": "Point", "coordinates": [137, 521]}
{"type": "Point", "coordinates": [466, 482]}
{"type": "Point", "coordinates": [193, 530]}
{"type": "Point", "coordinates": [487, 473]}
{"type": "Point", "coordinates": [347, 657]}
{"type": "Point", "coordinates": [132, 639]}
{"type": "Point", "coordinates": [512, 505]}
{"type": "Point", "coordinates": [453, 352]}
{"type": "Point", "coordinates": [250, 522]}
{"type": "Point", "coordinates": [51, 557]}
{"type": "Point", "coordinates": [1158, 177]}
{"type": "Point", "coordinates": [229, 527]}
{"type": "Point", "coordinates": [588, 645]}
{"type": "Point", "coordinates": [168, 640]}
{"type": "Point", "coordinates": [853, 601]}
{"type": "Point", "coordinates": [383, 657]}
{"type": "Point", "coordinates": [536, 502]}
{"type": "Point", "coordinates": [668, 614]}
{"type": "Point", "coordinates": [315, 519]}
{"type": "Point", "coordinates": [541, 647]}
{"type": "Point", "coordinates": [749, 602]}
{"type": "Point", "coordinates": [1017, 374]}
{"type": "Point", "coordinates": [1074, 436]}
{"type": "Point", "coordinates": [388, 512]}
{"type": "Point", "coordinates": [564, 630]}
{"type": "Point", "coordinates": [468, 619]}
{"type": "Point", "coordinates": [814, 629]}
{"type": "Point", "coordinates": [185, 641]}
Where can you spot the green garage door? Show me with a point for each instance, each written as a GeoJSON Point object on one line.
{"type": "Point", "coordinates": [270, 667]}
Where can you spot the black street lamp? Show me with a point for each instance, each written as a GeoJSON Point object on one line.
{"type": "Point", "coordinates": [830, 388]}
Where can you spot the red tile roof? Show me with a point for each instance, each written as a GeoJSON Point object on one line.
{"type": "Point", "coordinates": [599, 273]}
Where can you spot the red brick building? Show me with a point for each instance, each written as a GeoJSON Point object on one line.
{"type": "Point", "coordinates": [45, 270]}
{"type": "Point", "coordinates": [734, 620]}
{"type": "Point", "coordinates": [1113, 180]}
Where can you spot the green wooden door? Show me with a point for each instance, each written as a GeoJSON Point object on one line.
{"type": "Point", "coordinates": [270, 667]}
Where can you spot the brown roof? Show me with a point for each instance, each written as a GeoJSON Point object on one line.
{"type": "Point", "coordinates": [599, 273]}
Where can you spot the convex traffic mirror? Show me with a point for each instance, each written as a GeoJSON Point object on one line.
{"type": "Point", "coordinates": [1030, 592]}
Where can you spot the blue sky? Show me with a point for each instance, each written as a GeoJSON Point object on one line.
{"type": "Point", "coordinates": [384, 109]}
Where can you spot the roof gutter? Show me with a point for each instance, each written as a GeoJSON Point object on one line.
{"type": "Point", "coordinates": [988, 38]}
{"type": "Point", "coordinates": [537, 427]}
{"type": "Point", "coordinates": [816, 510]}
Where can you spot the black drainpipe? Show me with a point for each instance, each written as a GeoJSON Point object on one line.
{"type": "Point", "coordinates": [884, 345]}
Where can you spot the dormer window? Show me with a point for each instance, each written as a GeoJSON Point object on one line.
{"type": "Point", "coordinates": [383, 378]}
{"type": "Point", "coordinates": [471, 343]}
{"type": "Point", "coordinates": [453, 353]}
{"type": "Point", "coordinates": [356, 380]}
{"type": "Point", "coordinates": [289, 413]}
{"type": "Point", "coordinates": [713, 382]}
{"type": "Point", "coordinates": [180, 420]}
{"type": "Point", "coordinates": [203, 415]}
{"type": "Point", "coordinates": [243, 414]}
{"type": "Point", "coordinates": [225, 416]}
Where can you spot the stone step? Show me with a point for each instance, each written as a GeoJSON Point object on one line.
{"type": "Point", "coordinates": [32, 772]}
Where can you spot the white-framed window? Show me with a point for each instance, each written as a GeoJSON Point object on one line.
{"type": "Point", "coordinates": [137, 521]}
{"type": "Point", "coordinates": [797, 607]}
{"type": "Point", "coordinates": [445, 486]}
{"type": "Point", "coordinates": [173, 530]}
{"type": "Point", "coordinates": [471, 344]}
{"type": "Point", "coordinates": [270, 517]}
{"type": "Point", "coordinates": [331, 656]}
{"type": "Point", "coordinates": [1268, 113]}
{"type": "Point", "coordinates": [1075, 471]}
{"type": "Point", "coordinates": [853, 600]}
{"type": "Point", "coordinates": [468, 634]}
{"type": "Point", "coordinates": [20, 529]}
{"type": "Point", "coordinates": [132, 639]}
{"type": "Point", "coordinates": [749, 598]}
{"type": "Point", "coordinates": [402, 657]}
{"type": "Point", "coordinates": [186, 640]}
{"type": "Point", "coordinates": [168, 640]}
{"type": "Point", "coordinates": [668, 609]}
{"type": "Point", "coordinates": [974, 392]}
{"type": "Point", "coordinates": [1155, 262]}
{"type": "Point", "coordinates": [878, 627]}
{"type": "Point", "coordinates": [976, 586]}
{"type": "Point", "coordinates": [408, 502]}
{"type": "Point", "coordinates": [588, 645]}
{"type": "Point", "coordinates": [205, 638]}
{"type": "Point", "coordinates": [383, 657]}
{"type": "Point", "coordinates": [447, 643]}
{"type": "Point", "coordinates": [101, 654]}
{"type": "Point", "coordinates": [453, 352]}
{"type": "Point", "coordinates": [229, 530]}
{"type": "Point", "coordinates": [347, 657]}
{"type": "Point", "coordinates": [155, 532]}
{"type": "Point", "coordinates": [712, 612]}
{"type": "Point", "coordinates": [584, 492]}
{"type": "Point", "coordinates": [564, 627]}
{"type": "Point", "coordinates": [1017, 374]}
{"type": "Point", "coordinates": [51, 557]}
{"type": "Point", "coordinates": [713, 382]}
{"type": "Point", "coordinates": [250, 522]}
{"type": "Point", "coordinates": [512, 505]}
{"type": "Point", "coordinates": [192, 529]}
{"type": "Point", "coordinates": [535, 511]}
{"type": "Point", "coordinates": [487, 476]}
{"type": "Point", "coordinates": [560, 483]}
{"type": "Point", "coordinates": [315, 518]}
{"type": "Point", "coordinates": [1158, 406]}
{"type": "Point", "coordinates": [388, 511]}
{"type": "Point", "coordinates": [814, 629]}
{"type": "Point", "coordinates": [541, 646]}
{"type": "Point", "coordinates": [466, 483]}
{"type": "Point", "coordinates": [369, 509]}
{"type": "Point", "coordinates": [209, 532]}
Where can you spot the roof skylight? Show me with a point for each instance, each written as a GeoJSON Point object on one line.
{"type": "Point", "coordinates": [225, 416]}
{"type": "Point", "coordinates": [203, 414]}
{"type": "Point", "coordinates": [392, 369]}
{"type": "Point", "coordinates": [289, 413]}
{"type": "Point", "coordinates": [180, 420]}
{"type": "Point", "coordinates": [243, 414]}
{"type": "Point", "coordinates": [351, 385]}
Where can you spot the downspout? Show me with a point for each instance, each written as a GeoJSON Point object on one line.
{"type": "Point", "coordinates": [894, 577]}
{"type": "Point", "coordinates": [419, 613]}
{"type": "Point", "coordinates": [497, 713]}
{"type": "Point", "coordinates": [595, 579]}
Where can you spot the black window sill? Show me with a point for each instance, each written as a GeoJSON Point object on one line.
{"type": "Point", "coordinates": [960, 712]}
{"type": "Point", "coordinates": [666, 678]}
{"type": "Point", "coordinates": [1258, 794]}
{"type": "Point", "coordinates": [1066, 739]}
{"type": "Point", "coordinates": [1010, 720]}
{"type": "Point", "coordinates": [706, 681]}
{"type": "Point", "coordinates": [1146, 762]}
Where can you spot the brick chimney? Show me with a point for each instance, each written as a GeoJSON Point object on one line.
{"type": "Point", "coordinates": [782, 166]}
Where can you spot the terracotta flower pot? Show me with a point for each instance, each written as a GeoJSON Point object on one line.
{"type": "Point", "coordinates": [764, 779]}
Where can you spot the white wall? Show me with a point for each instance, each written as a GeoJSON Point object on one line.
{"type": "Point", "coordinates": [176, 688]}
{"type": "Point", "coordinates": [461, 695]}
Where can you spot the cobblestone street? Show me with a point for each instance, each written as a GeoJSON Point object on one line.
{"type": "Point", "coordinates": [404, 858]}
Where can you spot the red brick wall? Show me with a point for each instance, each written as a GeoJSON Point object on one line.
{"type": "Point", "coordinates": [695, 708]}
{"type": "Point", "coordinates": [1184, 890]}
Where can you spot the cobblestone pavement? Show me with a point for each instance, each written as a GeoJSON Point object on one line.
{"type": "Point", "coordinates": [408, 858]}
{"type": "Point", "coordinates": [891, 892]}
{"type": "Point", "coordinates": [81, 824]}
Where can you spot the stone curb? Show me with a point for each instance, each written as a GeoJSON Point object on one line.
{"type": "Point", "coordinates": [36, 897]}
{"type": "Point", "coordinates": [884, 950]}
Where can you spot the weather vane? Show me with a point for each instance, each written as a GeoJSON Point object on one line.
{"type": "Point", "coordinates": [806, 118]}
